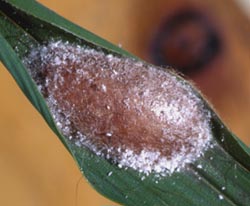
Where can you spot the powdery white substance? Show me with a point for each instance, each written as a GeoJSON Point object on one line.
{"type": "Point", "coordinates": [221, 197]}
{"type": "Point", "coordinates": [135, 115]}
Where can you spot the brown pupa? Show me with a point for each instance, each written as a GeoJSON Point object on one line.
{"type": "Point", "coordinates": [133, 114]}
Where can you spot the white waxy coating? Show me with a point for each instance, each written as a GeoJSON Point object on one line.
{"type": "Point", "coordinates": [135, 115]}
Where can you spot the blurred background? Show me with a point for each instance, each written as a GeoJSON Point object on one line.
{"type": "Point", "coordinates": [208, 41]}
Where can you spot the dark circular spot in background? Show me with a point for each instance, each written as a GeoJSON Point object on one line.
{"type": "Point", "coordinates": [187, 41]}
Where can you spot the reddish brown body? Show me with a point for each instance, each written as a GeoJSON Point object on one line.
{"type": "Point", "coordinates": [112, 104]}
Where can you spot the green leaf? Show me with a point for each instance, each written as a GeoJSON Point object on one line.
{"type": "Point", "coordinates": [220, 177]}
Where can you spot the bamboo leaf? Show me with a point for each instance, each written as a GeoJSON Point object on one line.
{"type": "Point", "coordinates": [220, 177]}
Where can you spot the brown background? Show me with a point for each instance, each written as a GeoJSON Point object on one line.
{"type": "Point", "coordinates": [35, 168]}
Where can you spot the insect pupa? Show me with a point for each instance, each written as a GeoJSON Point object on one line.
{"type": "Point", "coordinates": [134, 114]}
